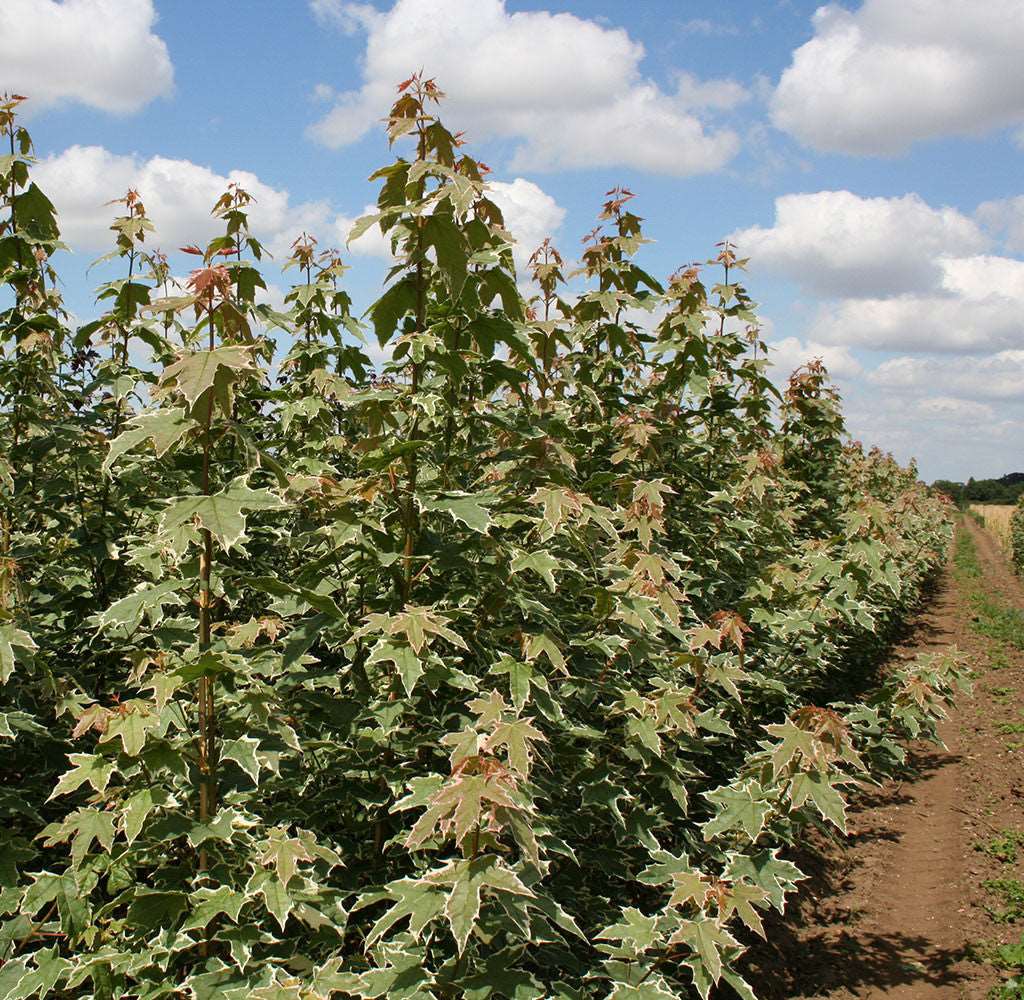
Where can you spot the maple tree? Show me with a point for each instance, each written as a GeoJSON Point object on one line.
{"type": "Point", "coordinates": [510, 669]}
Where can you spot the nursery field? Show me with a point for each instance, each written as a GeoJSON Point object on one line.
{"type": "Point", "coordinates": [997, 519]}
{"type": "Point", "coordinates": [523, 664]}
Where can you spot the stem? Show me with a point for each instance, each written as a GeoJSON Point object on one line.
{"type": "Point", "coordinates": [207, 720]}
{"type": "Point", "coordinates": [411, 517]}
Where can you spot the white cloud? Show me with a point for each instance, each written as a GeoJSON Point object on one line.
{"type": "Point", "coordinates": [835, 243]}
{"type": "Point", "coordinates": [998, 376]}
{"type": "Point", "coordinates": [372, 243]}
{"type": "Point", "coordinates": [1004, 218]}
{"type": "Point", "coordinates": [530, 214]}
{"type": "Point", "coordinates": [567, 89]}
{"type": "Point", "coordinates": [951, 437]}
{"type": "Point", "coordinates": [790, 353]}
{"type": "Point", "coordinates": [178, 196]}
{"type": "Point", "coordinates": [978, 306]}
{"type": "Point", "coordinates": [951, 408]}
{"type": "Point", "coordinates": [101, 53]}
{"type": "Point", "coordinates": [877, 79]}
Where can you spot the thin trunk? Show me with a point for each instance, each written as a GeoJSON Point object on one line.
{"type": "Point", "coordinates": [207, 718]}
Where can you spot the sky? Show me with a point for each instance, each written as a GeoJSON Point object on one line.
{"type": "Point", "coordinates": [867, 157]}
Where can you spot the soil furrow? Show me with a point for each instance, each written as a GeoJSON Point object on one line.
{"type": "Point", "coordinates": [900, 910]}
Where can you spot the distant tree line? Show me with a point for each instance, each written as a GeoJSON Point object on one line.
{"type": "Point", "coordinates": [1006, 489]}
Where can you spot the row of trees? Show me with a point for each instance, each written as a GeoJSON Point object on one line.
{"type": "Point", "coordinates": [504, 671]}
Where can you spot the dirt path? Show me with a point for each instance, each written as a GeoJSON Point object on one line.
{"type": "Point", "coordinates": [899, 910]}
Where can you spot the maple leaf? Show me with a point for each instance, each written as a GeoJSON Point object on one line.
{"type": "Point", "coordinates": [689, 887]}
{"type": "Point", "coordinates": [516, 737]}
{"type": "Point", "coordinates": [207, 282]}
{"type": "Point", "coordinates": [708, 939]}
{"type": "Point", "coordinates": [284, 853]}
{"type": "Point", "coordinates": [9, 638]}
{"type": "Point", "coordinates": [467, 878]}
{"type": "Point", "coordinates": [741, 900]}
{"type": "Point", "coordinates": [416, 899]}
{"type": "Point", "coordinates": [767, 871]}
{"type": "Point", "coordinates": [221, 513]}
{"type": "Point", "coordinates": [634, 929]}
{"type": "Point", "coordinates": [199, 373]}
{"type": "Point", "coordinates": [745, 806]}
{"type": "Point", "coordinates": [417, 624]}
{"type": "Point", "coordinates": [466, 802]}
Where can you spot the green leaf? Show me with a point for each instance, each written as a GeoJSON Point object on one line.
{"type": "Point", "coordinates": [284, 853]}
{"type": "Point", "coordinates": [827, 800]}
{"type": "Point", "coordinates": [82, 827]}
{"type": "Point", "coordinates": [51, 967]}
{"type": "Point", "coordinates": [398, 301]}
{"type": "Point", "coordinates": [795, 744]}
{"type": "Point", "coordinates": [542, 563]}
{"type": "Point", "coordinates": [131, 726]}
{"type": "Point", "coordinates": [408, 664]}
{"type": "Point", "coordinates": [708, 940]}
{"type": "Point", "coordinates": [416, 899]}
{"type": "Point", "coordinates": [9, 638]}
{"type": "Point", "coordinates": [543, 643]}
{"type": "Point", "coordinates": [745, 806]}
{"type": "Point", "coordinates": [466, 509]}
{"type": "Point", "coordinates": [201, 372]}
{"type": "Point", "coordinates": [213, 903]}
{"type": "Point", "coordinates": [243, 752]}
{"type": "Point", "coordinates": [36, 216]}
{"type": "Point", "coordinates": [517, 737]}
{"type": "Point", "coordinates": [149, 599]}
{"type": "Point", "coordinates": [221, 514]}
{"type": "Point", "coordinates": [634, 929]}
{"type": "Point", "coordinates": [136, 810]}
{"type": "Point", "coordinates": [275, 895]}
{"type": "Point", "coordinates": [467, 879]}
{"type": "Point", "coordinates": [766, 870]}
{"type": "Point", "coordinates": [152, 910]}
{"type": "Point", "coordinates": [441, 232]}
{"type": "Point", "coordinates": [164, 427]}
{"type": "Point", "coordinates": [89, 768]}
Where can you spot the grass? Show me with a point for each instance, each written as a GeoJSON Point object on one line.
{"type": "Point", "coordinates": [992, 618]}
{"type": "Point", "coordinates": [1011, 895]}
{"type": "Point", "coordinates": [1006, 847]}
{"type": "Point", "coordinates": [1004, 626]}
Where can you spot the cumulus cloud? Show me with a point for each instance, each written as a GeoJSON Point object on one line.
{"type": "Point", "coordinates": [994, 376]}
{"type": "Point", "coordinates": [101, 53]}
{"type": "Point", "coordinates": [951, 408]}
{"type": "Point", "coordinates": [178, 195]}
{"type": "Point", "coordinates": [567, 90]}
{"type": "Point", "coordinates": [877, 79]}
{"type": "Point", "coordinates": [530, 214]}
{"type": "Point", "coordinates": [978, 306]}
{"type": "Point", "coordinates": [1005, 219]}
{"type": "Point", "coordinates": [835, 243]}
{"type": "Point", "coordinates": [790, 353]}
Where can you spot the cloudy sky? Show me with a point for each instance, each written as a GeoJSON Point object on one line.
{"type": "Point", "coordinates": [866, 155]}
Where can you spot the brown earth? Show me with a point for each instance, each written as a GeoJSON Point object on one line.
{"type": "Point", "coordinates": [898, 910]}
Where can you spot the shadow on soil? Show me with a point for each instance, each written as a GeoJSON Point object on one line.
{"type": "Point", "coordinates": [808, 952]}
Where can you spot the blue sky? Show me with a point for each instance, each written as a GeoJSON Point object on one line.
{"type": "Point", "coordinates": [867, 155]}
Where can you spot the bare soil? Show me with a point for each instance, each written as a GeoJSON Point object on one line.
{"type": "Point", "coordinates": [898, 910]}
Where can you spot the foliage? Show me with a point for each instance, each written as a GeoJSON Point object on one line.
{"type": "Point", "coordinates": [1006, 489]}
{"type": "Point", "coordinates": [1017, 537]}
{"type": "Point", "coordinates": [507, 671]}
